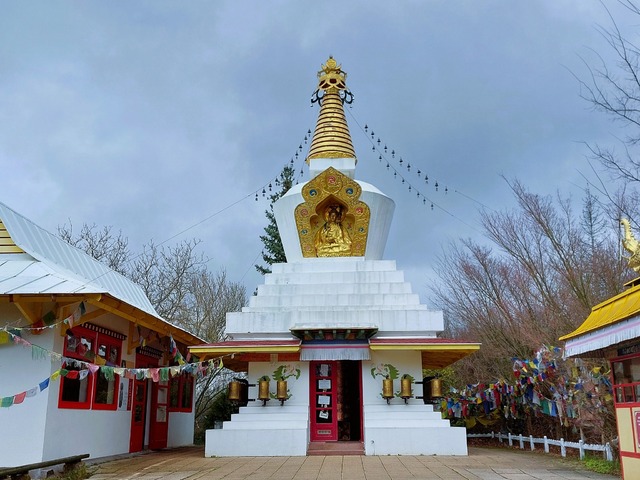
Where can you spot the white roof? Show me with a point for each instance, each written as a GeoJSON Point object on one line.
{"type": "Point", "coordinates": [52, 266]}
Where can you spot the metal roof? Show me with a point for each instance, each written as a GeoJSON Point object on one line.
{"type": "Point", "coordinates": [50, 266]}
{"type": "Point", "coordinates": [62, 268]}
{"type": "Point", "coordinates": [613, 310]}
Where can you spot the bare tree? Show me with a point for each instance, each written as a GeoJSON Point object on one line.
{"type": "Point", "coordinates": [179, 286]}
{"type": "Point", "coordinates": [615, 90]}
{"type": "Point", "coordinates": [101, 243]}
{"type": "Point", "coordinates": [537, 281]}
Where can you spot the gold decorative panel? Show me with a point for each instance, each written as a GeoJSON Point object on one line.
{"type": "Point", "coordinates": [332, 221]}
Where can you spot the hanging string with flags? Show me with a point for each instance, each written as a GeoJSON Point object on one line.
{"type": "Point", "coordinates": [80, 369]}
{"type": "Point", "coordinates": [542, 386]}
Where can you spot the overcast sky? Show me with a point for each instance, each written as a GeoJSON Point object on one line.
{"type": "Point", "coordinates": [153, 116]}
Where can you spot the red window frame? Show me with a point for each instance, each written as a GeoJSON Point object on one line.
{"type": "Point", "coordinates": [179, 399]}
{"type": "Point", "coordinates": [77, 347]}
{"type": "Point", "coordinates": [626, 379]}
{"type": "Point", "coordinates": [85, 345]}
{"type": "Point", "coordinates": [110, 350]}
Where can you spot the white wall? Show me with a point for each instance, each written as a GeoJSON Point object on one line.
{"type": "Point", "coordinates": [181, 426]}
{"type": "Point", "coordinates": [298, 388]}
{"type": "Point", "coordinates": [98, 432]}
{"type": "Point", "coordinates": [52, 432]}
{"type": "Point", "coordinates": [409, 362]}
{"type": "Point", "coordinates": [22, 424]}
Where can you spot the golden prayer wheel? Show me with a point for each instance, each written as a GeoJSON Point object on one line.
{"type": "Point", "coordinates": [263, 390]}
{"type": "Point", "coordinates": [436, 388]}
{"type": "Point", "coordinates": [281, 392]}
{"type": "Point", "coordinates": [405, 388]}
{"type": "Point", "coordinates": [235, 391]}
{"type": "Point", "coordinates": [387, 389]}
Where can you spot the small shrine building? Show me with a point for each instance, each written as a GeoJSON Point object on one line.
{"type": "Point", "coordinates": [336, 329]}
{"type": "Point", "coordinates": [612, 331]}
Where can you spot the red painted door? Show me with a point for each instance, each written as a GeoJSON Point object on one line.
{"type": "Point", "coordinates": [323, 401]}
{"type": "Point", "coordinates": [138, 415]}
{"type": "Point", "coordinates": [159, 422]}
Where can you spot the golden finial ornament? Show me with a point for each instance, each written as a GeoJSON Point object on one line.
{"type": "Point", "coordinates": [631, 245]}
{"type": "Point", "coordinates": [331, 138]}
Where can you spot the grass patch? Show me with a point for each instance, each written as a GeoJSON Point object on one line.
{"type": "Point", "coordinates": [79, 472]}
{"type": "Point", "coordinates": [600, 465]}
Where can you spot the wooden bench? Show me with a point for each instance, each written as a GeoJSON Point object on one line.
{"type": "Point", "coordinates": [18, 472]}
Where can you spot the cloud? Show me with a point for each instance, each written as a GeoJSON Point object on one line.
{"type": "Point", "coordinates": [153, 116]}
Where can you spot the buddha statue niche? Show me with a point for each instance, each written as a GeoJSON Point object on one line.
{"type": "Point", "coordinates": [332, 238]}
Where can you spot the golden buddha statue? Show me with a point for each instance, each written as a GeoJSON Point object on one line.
{"type": "Point", "coordinates": [332, 239]}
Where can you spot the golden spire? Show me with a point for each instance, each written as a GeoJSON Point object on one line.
{"type": "Point", "coordinates": [331, 138]}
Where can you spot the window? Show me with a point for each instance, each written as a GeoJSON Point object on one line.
{"type": "Point", "coordinates": [80, 389]}
{"type": "Point", "coordinates": [181, 393]}
{"type": "Point", "coordinates": [626, 380]}
{"type": "Point", "coordinates": [75, 392]}
{"type": "Point", "coordinates": [106, 384]}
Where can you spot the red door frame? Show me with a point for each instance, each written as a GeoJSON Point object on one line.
{"type": "Point", "coordinates": [322, 414]}
{"type": "Point", "coordinates": [139, 399]}
{"type": "Point", "coordinates": [138, 415]}
{"type": "Point", "coordinates": [327, 431]}
{"type": "Point", "coordinates": [159, 420]}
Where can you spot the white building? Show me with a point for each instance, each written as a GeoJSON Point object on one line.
{"type": "Point", "coordinates": [85, 360]}
{"type": "Point", "coordinates": [335, 321]}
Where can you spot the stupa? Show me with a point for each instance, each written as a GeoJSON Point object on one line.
{"type": "Point", "coordinates": [336, 322]}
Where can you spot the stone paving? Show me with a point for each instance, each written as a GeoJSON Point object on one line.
{"type": "Point", "coordinates": [189, 463]}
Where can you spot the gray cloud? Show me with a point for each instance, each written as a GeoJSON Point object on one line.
{"type": "Point", "coordinates": [152, 116]}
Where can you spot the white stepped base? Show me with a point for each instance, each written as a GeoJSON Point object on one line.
{"type": "Point", "coordinates": [272, 407]}
{"type": "Point", "coordinates": [258, 431]}
{"type": "Point", "coordinates": [415, 441]}
{"type": "Point", "coordinates": [411, 430]}
{"type": "Point", "coordinates": [416, 408]}
{"type": "Point", "coordinates": [408, 423]}
{"type": "Point", "coordinates": [256, 443]}
{"type": "Point", "coordinates": [266, 425]}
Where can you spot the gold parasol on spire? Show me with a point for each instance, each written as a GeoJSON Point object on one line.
{"type": "Point", "coordinates": [331, 138]}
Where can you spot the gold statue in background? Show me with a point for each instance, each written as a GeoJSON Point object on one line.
{"type": "Point", "coordinates": [332, 239]}
{"type": "Point", "coordinates": [631, 245]}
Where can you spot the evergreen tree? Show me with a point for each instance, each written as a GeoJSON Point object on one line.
{"type": "Point", "coordinates": [273, 251]}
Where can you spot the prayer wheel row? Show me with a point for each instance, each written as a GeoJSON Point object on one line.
{"type": "Point", "coordinates": [235, 391]}
{"type": "Point", "coordinates": [435, 388]}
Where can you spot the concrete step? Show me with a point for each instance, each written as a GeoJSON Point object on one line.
{"type": "Point", "coordinates": [330, 308]}
{"type": "Point", "coordinates": [320, 299]}
{"type": "Point", "coordinates": [272, 407]}
{"type": "Point", "coordinates": [411, 423]}
{"type": "Point", "coordinates": [339, 264]}
{"type": "Point", "coordinates": [401, 417]}
{"type": "Point", "coordinates": [329, 288]}
{"type": "Point", "coordinates": [416, 408]}
{"type": "Point", "coordinates": [320, 278]}
{"type": "Point", "coordinates": [266, 425]}
{"type": "Point", "coordinates": [335, 448]}
{"type": "Point", "coordinates": [251, 417]}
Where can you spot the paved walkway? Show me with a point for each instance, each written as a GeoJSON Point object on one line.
{"type": "Point", "coordinates": [482, 463]}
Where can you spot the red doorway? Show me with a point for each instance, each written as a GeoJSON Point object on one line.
{"type": "Point", "coordinates": [138, 415]}
{"type": "Point", "coordinates": [149, 409]}
{"type": "Point", "coordinates": [335, 389]}
{"type": "Point", "coordinates": [159, 421]}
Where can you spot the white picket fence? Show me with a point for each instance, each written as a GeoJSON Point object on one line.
{"type": "Point", "coordinates": [606, 448]}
